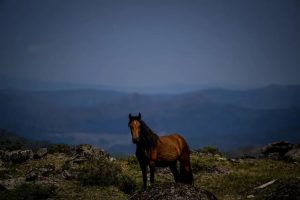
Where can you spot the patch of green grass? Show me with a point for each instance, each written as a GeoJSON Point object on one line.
{"type": "Point", "coordinates": [243, 177]}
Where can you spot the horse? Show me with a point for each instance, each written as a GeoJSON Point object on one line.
{"type": "Point", "coordinates": [163, 151]}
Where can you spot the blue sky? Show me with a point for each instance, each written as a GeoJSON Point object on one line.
{"type": "Point", "coordinates": [152, 43]}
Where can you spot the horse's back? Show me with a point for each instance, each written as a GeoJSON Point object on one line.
{"type": "Point", "coordinates": [170, 147]}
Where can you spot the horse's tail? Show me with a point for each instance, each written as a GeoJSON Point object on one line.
{"type": "Point", "coordinates": [186, 174]}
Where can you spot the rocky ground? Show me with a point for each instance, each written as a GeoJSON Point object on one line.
{"type": "Point", "coordinates": [86, 172]}
{"type": "Point", "coordinates": [171, 191]}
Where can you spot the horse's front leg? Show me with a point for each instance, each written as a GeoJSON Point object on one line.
{"type": "Point", "coordinates": [144, 172]}
{"type": "Point", "coordinates": [152, 170]}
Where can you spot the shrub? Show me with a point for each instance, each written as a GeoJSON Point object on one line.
{"type": "Point", "coordinates": [15, 146]}
{"type": "Point", "coordinates": [60, 148]}
{"type": "Point", "coordinates": [133, 162]}
{"type": "Point", "coordinates": [99, 172]}
{"type": "Point", "coordinates": [202, 165]}
{"type": "Point", "coordinates": [211, 150]}
{"type": "Point", "coordinates": [127, 184]}
{"type": "Point", "coordinates": [105, 173]}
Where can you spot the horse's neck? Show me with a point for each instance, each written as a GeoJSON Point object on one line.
{"type": "Point", "coordinates": [149, 140]}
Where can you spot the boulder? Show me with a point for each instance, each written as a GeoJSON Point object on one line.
{"type": "Point", "coordinates": [17, 156]}
{"type": "Point", "coordinates": [293, 155]}
{"type": "Point", "coordinates": [40, 153]}
{"type": "Point", "coordinates": [277, 150]}
{"type": "Point", "coordinates": [173, 191]}
{"type": "Point", "coordinates": [90, 152]}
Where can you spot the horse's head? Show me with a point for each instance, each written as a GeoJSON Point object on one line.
{"type": "Point", "coordinates": [135, 127]}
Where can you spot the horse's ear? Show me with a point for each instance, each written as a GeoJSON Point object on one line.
{"type": "Point", "coordinates": [129, 116]}
{"type": "Point", "coordinates": [140, 116]}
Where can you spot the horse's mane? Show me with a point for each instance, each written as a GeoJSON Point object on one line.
{"type": "Point", "coordinates": [148, 135]}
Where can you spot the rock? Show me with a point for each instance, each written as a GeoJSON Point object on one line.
{"type": "Point", "coordinates": [222, 158]}
{"type": "Point", "coordinates": [26, 155]}
{"type": "Point", "coordinates": [47, 170]}
{"type": "Point", "coordinates": [66, 175]}
{"type": "Point", "coordinates": [293, 155]}
{"type": "Point", "coordinates": [31, 176]}
{"type": "Point", "coordinates": [277, 150]}
{"type": "Point", "coordinates": [89, 152]}
{"type": "Point", "coordinates": [173, 191]}
{"type": "Point", "coordinates": [40, 153]}
{"type": "Point", "coordinates": [234, 160]}
{"type": "Point", "coordinates": [17, 156]}
{"type": "Point", "coordinates": [79, 160]}
{"type": "Point", "coordinates": [250, 196]}
{"type": "Point", "coordinates": [112, 159]}
{"type": "Point", "coordinates": [85, 150]}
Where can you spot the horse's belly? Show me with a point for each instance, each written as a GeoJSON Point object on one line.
{"type": "Point", "coordinates": [167, 156]}
{"type": "Point", "coordinates": [169, 150]}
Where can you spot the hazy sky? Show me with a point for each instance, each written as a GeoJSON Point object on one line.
{"type": "Point", "coordinates": [147, 42]}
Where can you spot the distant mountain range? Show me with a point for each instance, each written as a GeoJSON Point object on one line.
{"type": "Point", "coordinates": [228, 119]}
{"type": "Point", "coordinates": [39, 85]}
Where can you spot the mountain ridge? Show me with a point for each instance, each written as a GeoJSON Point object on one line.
{"type": "Point", "coordinates": [205, 117]}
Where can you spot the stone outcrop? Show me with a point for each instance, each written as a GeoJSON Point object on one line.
{"type": "Point", "coordinates": [282, 151]}
{"type": "Point", "coordinates": [40, 153]}
{"type": "Point", "coordinates": [87, 151]}
{"type": "Point", "coordinates": [16, 156]}
{"type": "Point", "coordinates": [277, 147]}
{"type": "Point", "coordinates": [293, 155]}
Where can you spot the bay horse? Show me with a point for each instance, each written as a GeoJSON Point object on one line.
{"type": "Point", "coordinates": [164, 151]}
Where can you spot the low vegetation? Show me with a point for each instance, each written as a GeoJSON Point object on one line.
{"type": "Point", "coordinates": [72, 177]}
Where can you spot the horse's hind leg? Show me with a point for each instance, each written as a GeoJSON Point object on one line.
{"type": "Point", "coordinates": [173, 168]}
{"type": "Point", "coordinates": [152, 170]}
{"type": "Point", "coordinates": [186, 174]}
